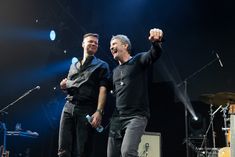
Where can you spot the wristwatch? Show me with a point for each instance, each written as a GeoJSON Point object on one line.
{"type": "Point", "coordinates": [101, 112]}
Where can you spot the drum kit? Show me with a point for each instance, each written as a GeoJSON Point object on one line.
{"type": "Point", "coordinates": [224, 101]}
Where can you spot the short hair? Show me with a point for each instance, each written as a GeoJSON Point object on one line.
{"type": "Point", "coordinates": [91, 34]}
{"type": "Point", "coordinates": [124, 39]}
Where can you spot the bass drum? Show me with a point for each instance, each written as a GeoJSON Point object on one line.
{"type": "Point", "coordinates": [224, 152]}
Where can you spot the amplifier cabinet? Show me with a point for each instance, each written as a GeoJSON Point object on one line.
{"type": "Point", "coordinates": [150, 145]}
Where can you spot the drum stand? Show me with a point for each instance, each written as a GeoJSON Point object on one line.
{"type": "Point", "coordinates": [211, 126]}
{"type": "Point", "coordinates": [225, 129]}
{"type": "Point", "coordinates": [187, 108]}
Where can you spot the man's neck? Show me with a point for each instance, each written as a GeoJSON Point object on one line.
{"type": "Point", "coordinates": [85, 56]}
{"type": "Point", "coordinates": [125, 59]}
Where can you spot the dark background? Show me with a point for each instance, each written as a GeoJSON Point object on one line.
{"type": "Point", "coordinates": [194, 32]}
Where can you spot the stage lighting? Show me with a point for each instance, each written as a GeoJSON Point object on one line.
{"type": "Point", "coordinates": [52, 35]}
{"type": "Point", "coordinates": [195, 118]}
{"type": "Point", "coordinates": [197, 127]}
{"type": "Point", "coordinates": [74, 60]}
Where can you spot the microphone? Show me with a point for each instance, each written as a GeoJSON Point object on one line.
{"type": "Point", "coordinates": [35, 88]}
{"type": "Point", "coordinates": [146, 146]}
{"type": "Point", "coordinates": [38, 87]}
{"type": "Point", "coordinates": [220, 62]}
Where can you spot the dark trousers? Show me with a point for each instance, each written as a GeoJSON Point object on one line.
{"type": "Point", "coordinates": [75, 133]}
{"type": "Point", "coordinates": [125, 136]}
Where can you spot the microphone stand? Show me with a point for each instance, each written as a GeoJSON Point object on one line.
{"type": "Point", "coordinates": [3, 111]}
{"type": "Point", "coordinates": [185, 83]}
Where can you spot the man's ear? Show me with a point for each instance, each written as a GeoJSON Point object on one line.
{"type": "Point", "coordinates": [126, 46]}
{"type": "Point", "coordinates": [83, 44]}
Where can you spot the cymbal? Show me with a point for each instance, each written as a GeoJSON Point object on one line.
{"type": "Point", "coordinates": [207, 98]}
{"type": "Point", "coordinates": [221, 98]}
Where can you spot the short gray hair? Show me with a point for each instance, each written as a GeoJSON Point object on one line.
{"type": "Point", "coordinates": [124, 39]}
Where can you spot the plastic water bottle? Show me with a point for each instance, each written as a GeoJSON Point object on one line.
{"type": "Point", "coordinates": [100, 128]}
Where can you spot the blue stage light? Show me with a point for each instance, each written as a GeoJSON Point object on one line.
{"type": "Point", "coordinates": [52, 35]}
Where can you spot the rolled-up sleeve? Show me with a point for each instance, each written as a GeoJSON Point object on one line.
{"type": "Point", "coordinates": [105, 77]}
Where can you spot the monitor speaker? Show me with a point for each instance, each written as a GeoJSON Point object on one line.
{"type": "Point", "coordinates": [150, 145]}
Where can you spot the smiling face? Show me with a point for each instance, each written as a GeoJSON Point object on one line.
{"type": "Point", "coordinates": [90, 45]}
{"type": "Point", "coordinates": [118, 49]}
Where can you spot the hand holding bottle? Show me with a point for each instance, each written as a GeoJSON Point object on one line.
{"type": "Point", "coordinates": [99, 128]}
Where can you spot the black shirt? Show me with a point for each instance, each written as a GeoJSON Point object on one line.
{"type": "Point", "coordinates": [130, 83]}
{"type": "Point", "coordinates": [84, 80]}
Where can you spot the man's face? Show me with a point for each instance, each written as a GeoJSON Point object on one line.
{"type": "Point", "coordinates": [118, 49]}
{"type": "Point", "coordinates": [90, 45]}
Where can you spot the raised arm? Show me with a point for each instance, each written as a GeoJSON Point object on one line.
{"type": "Point", "coordinates": [155, 37]}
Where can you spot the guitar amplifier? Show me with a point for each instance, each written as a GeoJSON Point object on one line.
{"type": "Point", "coordinates": [150, 145]}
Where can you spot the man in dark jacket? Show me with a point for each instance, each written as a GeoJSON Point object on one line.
{"type": "Point", "coordinates": [86, 86]}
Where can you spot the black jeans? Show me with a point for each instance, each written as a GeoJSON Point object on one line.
{"type": "Point", "coordinates": [75, 133]}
